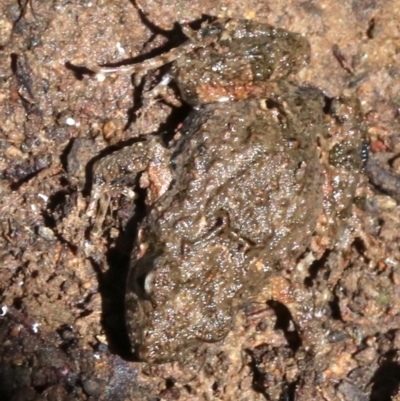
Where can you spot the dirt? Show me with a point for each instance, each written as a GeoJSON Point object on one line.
{"type": "Point", "coordinates": [62, 279]}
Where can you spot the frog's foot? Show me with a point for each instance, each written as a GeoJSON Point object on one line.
{"type": "Point", "coordinates": [118, 172]}
{"type": "Point", "coordinates": [100, 203]}
{"type": "Point", "coordinates": [161, 90]}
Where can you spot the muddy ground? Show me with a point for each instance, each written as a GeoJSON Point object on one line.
{"type": "Point", "coordinates": [62, 333]}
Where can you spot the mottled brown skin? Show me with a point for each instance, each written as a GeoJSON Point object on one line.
{"type": "Point", "coordinates": [238, 60]}
{"type": "Point", "coordinates": [259, 171]}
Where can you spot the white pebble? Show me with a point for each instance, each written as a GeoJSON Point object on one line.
{"type": "Point", "coordinates": [35, 327]}
{"type": "Point", "coordinates": [120, 48]}
{"type": "Point", "coordinates": [70, 121]}
{"type": "Point", "coordinates": [44, 197]}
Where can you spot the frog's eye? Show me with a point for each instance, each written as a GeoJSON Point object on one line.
{"type": "Point", "coordinates": [145, 283]}
{"type": "Point", "coordinates": [143, 276]}
{"type": "Point", "coordinates": [153, 278]}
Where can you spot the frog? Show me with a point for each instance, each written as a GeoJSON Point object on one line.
{"type": "Point", "coordinates": [262, 172]}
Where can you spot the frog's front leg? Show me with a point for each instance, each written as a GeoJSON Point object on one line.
{"type": "Point", "coordinates": [119, 171]}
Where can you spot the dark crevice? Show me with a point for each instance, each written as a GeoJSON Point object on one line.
{"type": "Point", "coordinates": [17, 303]}
{"type": "Point", "coordinates": [57, 199]}
{"type": "Point", "coordinates": [79, 71]}
{"type": "Point", "coordinates": [391, 161]}
{"type": "Point", "coordinates": [65, 153]}
{"type": "Point", "coordinates": [85, 313]}
{"type": "Point", "coordinates": [48, 220]}
{"type": "Point", "coordinates": [188, 388]}
{"type": "Point", "coordinates": [112, 290]}
{"type": "Point", "coordinates": [137, 97]}
{"type": "Point", "coordinates": [315, 269]}
{"type": "Point", "coordinates": [112, 283]}
{"type": "Point", "coordinates": [288, 392]}
{"type": "Point", "coordinates": [328, 104]}
{"type": "Point", "coordinates": [359, 245]}
{"type": "Point", "coordinates": [371, 29]}
{"type": "Point", "coordinates": [285, 322]}
{"type": "Point", "coordinates": [335, 308]}
{"type": "Point", "coordinates": [361, 249]}
{"type": "Point", "coordinates": [386, 380]}
{"type": "Point", "coordinates": [67, 336]}
{"type": "Point", "coordinates": [258, 373]}
{"type": "Point", "coordinates": [272, 104]}
{"type": "Point", "coordinates": [169, 383]}
{"type": "Point", "coordinates": [34, 274]}
{"type": "Point", "coordinates": [175, 118]}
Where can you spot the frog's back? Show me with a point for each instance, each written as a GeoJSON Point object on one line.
{"type": "Point", "coordinates": [250, 170]}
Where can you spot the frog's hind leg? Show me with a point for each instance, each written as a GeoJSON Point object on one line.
{"type": "Point", "coordinates": [142, 68]}
{"type": "Point", "coordinates": [195, 40]}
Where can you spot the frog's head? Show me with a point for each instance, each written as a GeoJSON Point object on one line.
{"type": "Point", "coordinates": [175, 303]}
